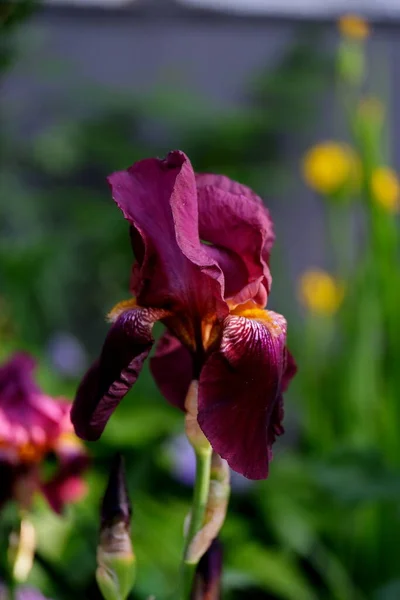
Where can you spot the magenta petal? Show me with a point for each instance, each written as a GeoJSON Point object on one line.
{"type": "Point", "coordinates": [172, 369]}
{"type": "Point", "coordinates": [108, 380]}
{"type": "Point", "coordinates": [143, 193]}
{"type": "Point", "coordinates": [239, 392]}
{"type": "Point", "coordinates": [225, 184]}
{"type": "Point", "coordinates": [236, 275]}
{"type": "Point", "coordinates": [173, 269]}
{"type": "Point", "coordinates": [17, 376]}
{"type": "Point", "coordinates": [233, 217]}
{"type": "Point", "coordinates": [27, 416]}
{"type": "Point", "coordinates": [67, 484]}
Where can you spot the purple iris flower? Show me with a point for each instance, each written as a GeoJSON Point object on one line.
{"type": "Point", "coordinates": [33, 428]}
{"type": "Point", "coordinates": [201, 245]}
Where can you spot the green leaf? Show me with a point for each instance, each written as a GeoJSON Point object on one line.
{"type": "Point", "coordinates": [273, 571]}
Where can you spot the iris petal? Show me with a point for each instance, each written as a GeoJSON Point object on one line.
{"type": "Point", "coordinates": [172, 369]}
{"type": "Point", "coordinates": [233, 217]}
{"type": "Point", "coordinates": [108, 380]}
{"type": "Point", "coordinates": [239, 392]}
{"type": "Point", "coordinates": [173, 269]}
{"type": "Point", "coordinates": [227, 185]}
{"type": "Point", "coordinates": [67, 484]}
{"type": "Point", "coordinates": [27, 416]}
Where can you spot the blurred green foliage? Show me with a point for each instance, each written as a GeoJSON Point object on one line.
{"type": "Point", "coordinates": [326, 523]}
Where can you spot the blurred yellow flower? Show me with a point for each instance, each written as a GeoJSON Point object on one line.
{"type": "Point", "coordinates": [354, 27]}
{"type": "Point", "coordinates": [330, 165]}
{"type": "Point", "coordinates": [385, 188]}
{"type": "Point", "coordinates": [320, 292]}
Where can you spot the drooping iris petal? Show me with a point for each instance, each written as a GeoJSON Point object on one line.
{"type": "Point", "coordinates": [127, 345]}
{"type": "Point", "coordinates": [172, 369]}
{"type": "Point", "coordinates": [239, 388]}
{"type": "Point", "coordinates": [173, 269]}
{"type": "Point", "coordinates": [232, 217]}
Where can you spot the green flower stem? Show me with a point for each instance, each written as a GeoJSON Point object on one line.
{"type": "Point", "coordinates": [200, 497]}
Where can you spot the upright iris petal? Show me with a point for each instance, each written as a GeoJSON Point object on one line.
{"type": "Point", "coordinates": [231, 216]}
{"type": "Point", "coordinates": [173, 270]}
{"type": "Point", "coordinates": [202, 245]}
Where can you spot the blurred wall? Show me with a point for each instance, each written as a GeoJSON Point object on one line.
{"type": "Point", "coordinates": [214, 55]}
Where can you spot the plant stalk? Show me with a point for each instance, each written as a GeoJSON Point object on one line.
{"type": "Point", "coordinates": [199, 504]}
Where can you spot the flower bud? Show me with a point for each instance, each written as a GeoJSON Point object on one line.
{"type": "Point", "coordinates": [351, 58]}
{"type": "Point", "coordinates": [115, 558]}
{"type": "Point", "coordinates": [207, 581]}
{"type": "Point", "coordinates": [351, 63]}
{"type": "Point", "coordinates": [368, 129]}
{"type": "Point", "coordinates": [353, 27]}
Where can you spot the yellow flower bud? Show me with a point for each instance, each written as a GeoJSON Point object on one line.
{"type": "Point", "coordinates": [320, 292]}
{"type": "Point", "coordinates": [329, 166]}
{"type": "Point", "coordinates": [353, 27]}
{"type": "Point", "coordinates": [385, 188]}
